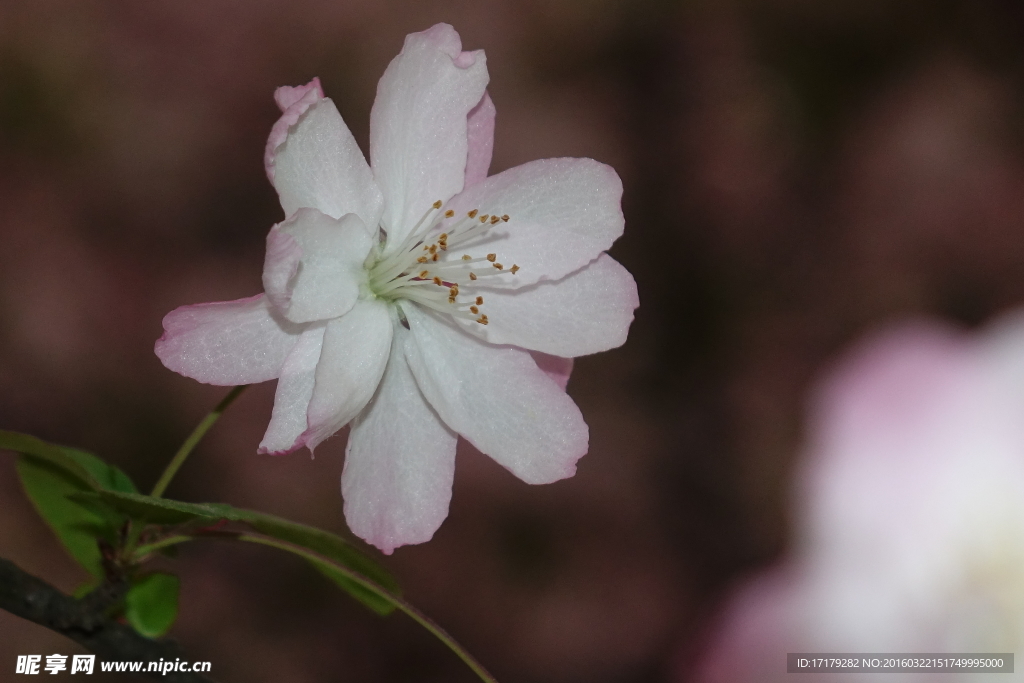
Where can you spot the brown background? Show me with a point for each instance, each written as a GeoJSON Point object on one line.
{"type": "Point", "coordinates": [796, 173]}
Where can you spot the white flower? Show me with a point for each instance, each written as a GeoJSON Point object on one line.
{"type": "Point", "coordinates": [910, 524]}
{"type": "Point", "coordinates": [417, 298]}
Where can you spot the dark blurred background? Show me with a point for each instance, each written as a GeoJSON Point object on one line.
{"type": "Point", "coordinates": [796, 172]}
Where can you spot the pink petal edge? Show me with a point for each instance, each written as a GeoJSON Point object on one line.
{"type": "Point", "coordinates": [293, 101]}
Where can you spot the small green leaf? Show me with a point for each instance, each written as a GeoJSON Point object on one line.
{"type": "Point", "coordinates": [77, 526]}
{"type": "Point", "coordinates": [55, 479]}
{"type": "Point", "coordinates": [151, 605]}
{"type": "Point", "coordinates": [106, 475]}
{"type": "Point", "coordinates": [30, 445]}
{"type": "Point", "coordinates": [330, 546]}
{"type": "Point", "coordinates": [377, 603]}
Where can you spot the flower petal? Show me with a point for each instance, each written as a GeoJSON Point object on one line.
{"type": "Point", "coordinates": [399, 463]}
{"type": "Point", "coordinates": [563, 213]}
{"type": "Point", "coordinates": [294, 389]}
{"type": "Point", "coordinates": [318, 164]}
{"type": "Point", "coordinates": [555, 367]}
{"type": "Point", "coordinates": [497, 398]}
{"type": "Point", "coordinates": [293, 102]}
{"type": "Point", "coordinates": [227, 342]}
{"type": "Point", "coordinates": [418, 125]}
{"type": "Point", "coordinates": [355, 352]}
{"type": "Point", "coordinates": [314, 265]}
{"type": "Point", "coordinates": [585, 312]}
{"type": "Point", "coordinates": [480, 138]}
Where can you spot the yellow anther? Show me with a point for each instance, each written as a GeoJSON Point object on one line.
{"type": "Point", "coordinates": [474, 310]}
{"type": "Point", "coordinates": [451, 299]}
{"type": "Point", "coordinates": [492, 257]}
{"type": "Point", "coordinates": [482, 320]}
{"type": "Point", "coordinates": [505, 218]}
{"type": "Point", "coordinates": [434, 257]}
{"type": "Point", "coordinates": [449, 213]}
{"type": "Point", "coordinates": [495, 219]}
{"type": "Point", "coordinates": [432, 249]}
{"type": "Point", "coordinates": [472, 276]}
{"type": "Point", "coordinates": [443, 237]}
{"type": "Point", "coordinates": [514, 269]}
{"type": "Point", "coordinates": [437, 281]}
{"type": "Point", "coordinates": [472, 214]}
{"type": "Point", "coordinates": [479, 301]}
{"type": "Point", "coordinates": [483, 219]}
{"type": "Point", "coordinates": [498, 266]}
{"type": "Point", "coordinates": [421, 259]}
{"type": "Point", "coordinates": [424, 274]}
{"type": "Point", "coordinates": [437, 204]}
{"type": "Point", "coordinates": [467, 257]}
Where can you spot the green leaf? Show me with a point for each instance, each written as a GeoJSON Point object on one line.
{"type": "Point", "coordinates": [374, 601]}
{"type": "Point", "coordinates": [54, 455]}
{"type": "Point", "coordinates": [330, 546]}
{"type": "Point", "coordinates": [54, 478]}
{"type": "Point", "coordinates": [151, 605]}
{"type": "Point", "coordinates": [77, 526]}
{"type": "Point", "coordinates": [106, 475]}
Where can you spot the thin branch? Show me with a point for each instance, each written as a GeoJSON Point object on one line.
{"type": "Point", "coordinates": [411, 611]}
{"type": "Point", "coordinates": [194, 438]}
{"type": "Point", "coordinates": [86, 622]}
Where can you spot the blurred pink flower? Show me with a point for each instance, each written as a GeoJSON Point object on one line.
{"type": "Point", "coordinates": [910, 512]}
{"type": "Point", "coordinates": [417, 298]}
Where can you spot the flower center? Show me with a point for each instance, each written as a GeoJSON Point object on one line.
{"type": "Point", "coordinates": [418, 271]}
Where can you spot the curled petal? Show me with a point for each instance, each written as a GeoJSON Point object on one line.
{"type": "Point", "coordinates": [480, 137]}
{"type": "Point", "coordinates": [293, 102]}
{"type": "Point", "coordinates": [355, 351]}
{"type": "Point", "coordinates": [497, 398]}
{"type": "Point", "coordinates": [314, 162]}
{"type": "Point", "coordinates": [418, 125]}
{"type": "Point", "coordinates": [294, 390]}
{"type": "Point", "coordinates": [562, 214]}
{"type": "Point", "coordinates": [314, 265]}
{"type": "Point", "coordinates": [288, 96]}
{"type": "Point", "coordinates": [399, 463]}
{"type": "Point", "coordinates": [227, 342]}
{"type": "Point", "coordinates": [585, 312]}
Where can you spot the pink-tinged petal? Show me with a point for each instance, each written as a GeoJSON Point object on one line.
{"type": "Point", "coordinates": [294, 390]}
{"type": "Point", "coordinates": [356, 348]}
{"type": "Point", "coordinates": [497, 398]}
{"type": "Point", "coordinates": [314, 265]}
{"type": "Point", "coordinates": [563, 214]}
{"type": "Point", "coordinates": [318, 165]}
{"type": "Point", "coordinates": [480, 136]}
{"type": "Point", "coordinates": [557, 368]}
{"type": "Point", "coordinates": [399, 463]}
{"type": "Point", "coordinates": [287, 96]}
{"type": "Point", "coordinates": [418, 125]}
{"type": "Point", "coordinates": [585, 312]}
{"type": "Point", "coordinates": [228, 342]}
{"type": "Point", "coordinates": [293, 102]}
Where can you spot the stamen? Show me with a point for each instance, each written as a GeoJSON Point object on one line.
{"type": "Point", "coordinates": [396, 276]}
